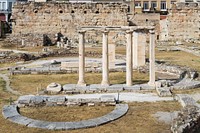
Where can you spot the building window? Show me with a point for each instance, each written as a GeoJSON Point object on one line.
{"type": "Point", "coordinates": [137, 4]}
{"type": "Point", "coordinates": [146, 5]}
{"type": "Point", "coordinates": [163, 5]}
{"type": "Point", "coordinates": [0, 6]}
{"type": "Point", "coordinates": [10, 6]}
{"type": "Point", "coordinates": [3, 5]}
{"type": "Point", "coordinates": [153, 4]}
{"type": "Point", "coordinates": [172, 2]}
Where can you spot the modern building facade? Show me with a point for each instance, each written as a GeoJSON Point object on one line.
{"type": "Point", "coordinates": [157, 6]}
{"type": "Point", "coordinates": [141, 6]}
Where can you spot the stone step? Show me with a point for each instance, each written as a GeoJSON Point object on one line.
{"type": "Point", "coordinates": [164, 91]}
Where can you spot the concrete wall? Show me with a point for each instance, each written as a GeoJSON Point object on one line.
{"type": "Point", "coordinates": [37, 23]}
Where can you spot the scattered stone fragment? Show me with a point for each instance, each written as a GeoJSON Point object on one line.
{"type": "Point", "coordinates": [26, 99]}
{"type": "Point", "coordinates": [186, 100]}
{"type": "Point", "coordinates": [54, 87]}
{"type": "Point", "coordinates": [164, 91]}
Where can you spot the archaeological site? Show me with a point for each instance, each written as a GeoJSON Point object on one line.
{"type": "Point", "coordinates": [100, 66]}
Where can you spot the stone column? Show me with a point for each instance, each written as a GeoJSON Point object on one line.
{"type": "Point", "coordinates": [152, 58]}
{"type": "Point", "coordinates": [105, 69]}
{"type": "Point", "coordinates": [111, 55]}
{"type": "Point", "coordinates": [135, 49]}
{"type": "Point", "coordinates": [141, 49]}
{"type": "Point", "coordinates": [81, 81]}
{"type": "Point", "coordinates": [129, 67]}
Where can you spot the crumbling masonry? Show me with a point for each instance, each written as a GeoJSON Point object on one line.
{"type": "Point", "coordinates": [37, 23]}
{"type": "Point", "coordinates": [183, 22]}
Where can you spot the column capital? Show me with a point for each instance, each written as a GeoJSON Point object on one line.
{"type": "Point", "coordinates": [81, 31]}
{"type": "Point", "coordinates": [151, 31]}
{"type": "Point", "coordinates": [105, 31]}
{"type": "Point", "coordinates": [81, 83]}
{"type": "Point", "coordinates": [133, 28]}
{"type": "Point", "coordinates": [129, 31]}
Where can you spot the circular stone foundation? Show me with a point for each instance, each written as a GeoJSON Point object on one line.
{"type": "Point", "coordinates": [11, 113]}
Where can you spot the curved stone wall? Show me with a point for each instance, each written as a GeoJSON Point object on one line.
{"type": "Point", "coordinates": [11, 113]}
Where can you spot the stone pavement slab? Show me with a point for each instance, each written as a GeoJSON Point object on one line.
{"type": "Point", "coordinates": [10, 111]}
{"type": "Point", "coordinates": [118, 112]}
{"type": "Point", "coordinates": [186, 100]}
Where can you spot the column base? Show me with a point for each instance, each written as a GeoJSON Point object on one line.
{"type": "Point", "coordinates": [81, 83]}
{"type": "Point", "coordinates": [135, 67]}
{"type": "Point", "coordinates": [105, 83]}
{"type": "Point", "coordinates": [152, 84]}
{"type": "Point", "coordinates": [129, 84]}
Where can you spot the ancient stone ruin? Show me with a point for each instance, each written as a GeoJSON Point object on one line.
{"type": "Point", "coordinates": [183, 22]}
{"type": "Point", "coordinates": [108, 24]}
{"type": "Point", "coordinates": [131, 53]}
{"type": "Point", "coordinates": [37, 23]}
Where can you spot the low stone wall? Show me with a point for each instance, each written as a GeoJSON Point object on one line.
{"type": "Point", "coordinates": [97, 88]}
{"type": "Point", "coordinates": [182, 72]}
{"type": "Point", "coordinates": [169, 69]}
{"type": "Point", "coordinates": [187, 79]}
{"type": "Point", "coordinates": [188, 120]}
{"type": "Point", "coordinates": [11, 113]}
{"type": "Point", "coordinates": [58, 70]}
{"type": "Point", "coordinates": [16, 57]}
{"type": "Point", "coordinates": [33, 101]}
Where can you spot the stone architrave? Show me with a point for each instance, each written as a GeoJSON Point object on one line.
{"type": "Point", "coordinates": [135, 49]}
{"type": "Point", "coordinates": [105, 60]}
{"type": "Point", "coordinates": [111, 55]}
{"type": "Point", "coordinates": [141, 49]}
{"type": "Point", "coordinates": [81, 81]}
{"type": "Point", "coordinates": [152, 58]}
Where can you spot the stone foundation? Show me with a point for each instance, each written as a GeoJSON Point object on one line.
{"type": "Point", "coordinates": [35, 101]}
